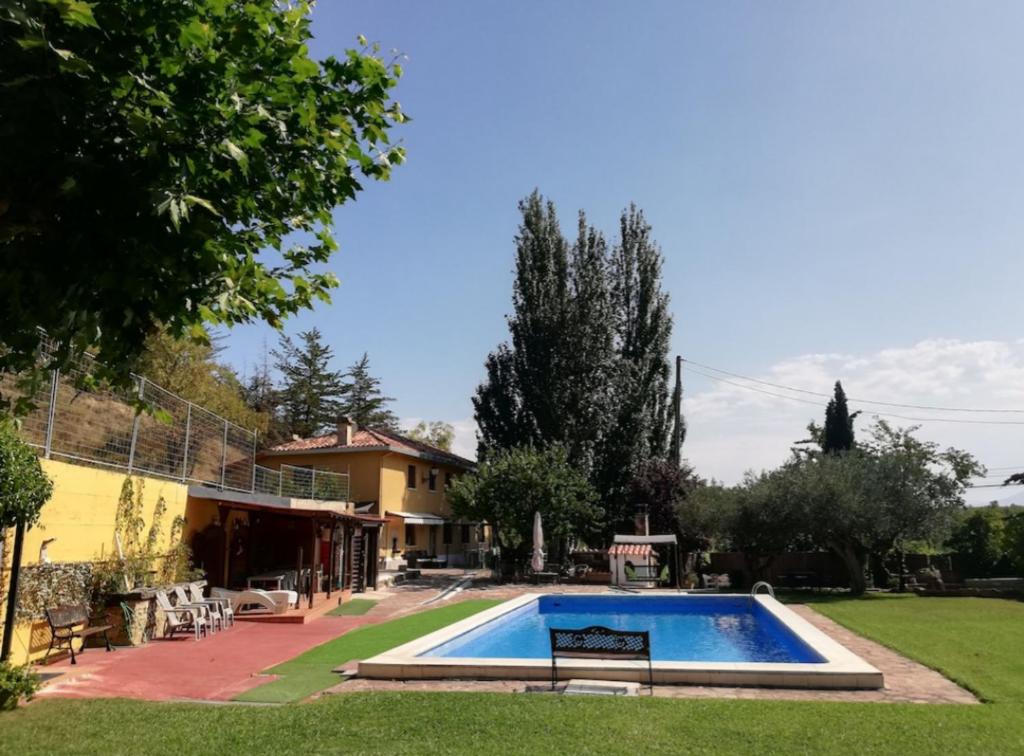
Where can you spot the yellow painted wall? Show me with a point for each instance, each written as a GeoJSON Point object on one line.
{"type": "Point", "coordinates": [80, 515]}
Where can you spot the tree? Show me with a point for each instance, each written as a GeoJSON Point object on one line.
{"type": "Point", "coordinates": [191, 370]}
{"type": "Point", "coordinates": [980, 540]}
{"type": "Point", "coordinates": [363, 401]}
{"type": "Point", "coordinates": [586, 363]}
{"type": "Point", "coordinates": [24, 488]}
{"type": "Point", "coordinates": [176, 167]}
{"type": "Point", "coordinates": [311, 393]}
{"type": "Point", "coordinates": [511, 484]}
{"type": "Point", "coordinates": [838, 432]}
{"type": "Point", "coordinates": [662, 488]}
{"type": "Point", "coordinates": [437, 433]}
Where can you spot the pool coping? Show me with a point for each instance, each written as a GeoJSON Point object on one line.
{"type": "Point", "coordinates": [842, 669]}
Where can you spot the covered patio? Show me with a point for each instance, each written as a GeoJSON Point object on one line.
{"type": "Point", "coordinates": [319, 550]}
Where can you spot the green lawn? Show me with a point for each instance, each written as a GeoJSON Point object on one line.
{"type": "Point", "coordinates": [975, 640]}
{"type": "Point", "coordinates": [353, 608]}
{"type": "Point", "coordinates": [979, 643]}
{"type": "Point", "coordinates": [310, 672]}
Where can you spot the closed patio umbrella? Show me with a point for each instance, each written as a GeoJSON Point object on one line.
{"type": "Point", "coordinates": [537, 562]}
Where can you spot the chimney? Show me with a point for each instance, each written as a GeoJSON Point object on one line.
{"type": "Point", "coordinates": [641, 522]}
{"type": "Point", "coordinates": [346, 427]}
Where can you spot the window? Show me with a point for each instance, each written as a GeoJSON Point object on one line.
{"type": "Point", "coordinates": [432, 479]}
{"type": "Point", "coordinates": [465, 533]}
{"type": "Point", "coordinates": [448, 478]}
{"type": "Point", "coordinates": [446, 534]}
{"type": "Point", "coordinates": [410, 535]}
{"type": "Point", "coordinates": [410, 477]}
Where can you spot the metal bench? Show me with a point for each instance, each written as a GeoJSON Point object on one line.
{"type": "Point", "coordinates": [63, 620]}
{"type": "Point", "coordinates": [596, 642]}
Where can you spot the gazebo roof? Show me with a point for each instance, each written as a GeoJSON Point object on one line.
{"type": "Point", "coordinates": [631, 549]}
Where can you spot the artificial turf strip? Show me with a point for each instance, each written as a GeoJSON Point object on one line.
{"type": "Point", "coordinates": [977, 642]}
{"type": "Point", "coordinates": [352, 608]}
{"type": "Point", "coordinates": [441, 723]}
{"type": "Point", "coordinates": [310, 672]}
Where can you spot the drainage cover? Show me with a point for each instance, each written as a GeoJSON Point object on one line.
{"type": "Point", "coordinates": [601, 688]}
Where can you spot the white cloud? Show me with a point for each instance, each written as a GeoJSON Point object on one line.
{"type": "Point", "coordinates": [732, 429]}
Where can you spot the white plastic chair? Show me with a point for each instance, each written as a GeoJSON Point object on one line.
{"type": "Point", "coordinates": [180, 617]}
{"type": "Point", "coordinates": [195, 592]}
{"type": "Point", "coordinates": [210, 611]}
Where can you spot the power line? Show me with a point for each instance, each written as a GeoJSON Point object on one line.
{"type": "Point", "coordinates": [851, 399]}
{"type": "Point", "coordinates": [998, 485]}
{"type": "Point", "coordinates": [880, 414]}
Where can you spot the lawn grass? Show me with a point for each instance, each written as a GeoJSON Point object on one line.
{"type": "Point", "coordinates": [978, 642]}
{"type": "Point", "coordinates": [353, 608]}
{"type": "Point", "coordinates": [310, 672]}
{"type": "Point", "coordinates": [975, 640]}
{"type": "Point", "coordinates": [441, 723]}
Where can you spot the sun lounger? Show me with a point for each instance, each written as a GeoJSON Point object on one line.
{"type": "Point", "coordinates": [255, 601]}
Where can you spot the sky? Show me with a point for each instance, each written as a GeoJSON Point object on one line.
{"type": "Point", "coordinates": [835, 187]}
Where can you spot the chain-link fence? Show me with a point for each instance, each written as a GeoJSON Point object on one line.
{"type": "Point", "coordinates": [75, 419]}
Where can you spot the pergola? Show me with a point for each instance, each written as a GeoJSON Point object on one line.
{"type": "Point", "coordinates": [629, 543]}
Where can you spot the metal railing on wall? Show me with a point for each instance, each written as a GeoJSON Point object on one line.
{"type": "Point", "coordinates": [178, 439]}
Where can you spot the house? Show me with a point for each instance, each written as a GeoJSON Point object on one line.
{"type": "Point", "coordinates": [399, 479]}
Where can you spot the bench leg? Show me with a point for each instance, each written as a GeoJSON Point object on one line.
{"type": "Point", "coordinates": [71, 648]}
{"type": "Point", "coordinates": [106, 639]}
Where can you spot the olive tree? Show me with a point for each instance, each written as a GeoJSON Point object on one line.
{"type": "Point", "coordinates": [511, 484]}
{"type": "Point", "coordinates": [24, 488]}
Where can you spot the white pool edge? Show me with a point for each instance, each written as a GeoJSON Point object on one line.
{"type": "Point", "coordinates": [842, 669]}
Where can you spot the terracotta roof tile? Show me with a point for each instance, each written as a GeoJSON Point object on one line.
{"type": "Point", "coordinates": [374, 438]}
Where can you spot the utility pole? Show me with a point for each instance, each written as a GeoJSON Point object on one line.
{"type": "Point", "coordinates": [676, 449]}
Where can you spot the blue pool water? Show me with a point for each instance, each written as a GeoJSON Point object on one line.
{"type": "Point", "coordinates": [682, 628]}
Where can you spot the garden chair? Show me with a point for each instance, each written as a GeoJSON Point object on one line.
{"type": "Point", "coordinates": [195, 592]}
{"type": "Point", "coordinates": [210, 611]}
{"type": "Point", "coordinates": [180, 617]}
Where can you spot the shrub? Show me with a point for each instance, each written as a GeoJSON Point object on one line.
{"type": "Point", "coordinates": [15, 683]}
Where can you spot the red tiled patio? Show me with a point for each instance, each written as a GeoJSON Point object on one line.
{"type": "Point", "coordinates": [216, 668]}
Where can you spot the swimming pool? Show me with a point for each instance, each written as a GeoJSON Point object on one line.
{"type": "Point", "coordinates": [682, 628]}
{"type": "Point", "coordinates": [695, 639]}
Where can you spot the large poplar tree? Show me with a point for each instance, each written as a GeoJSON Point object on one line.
{"type": "Point", "coordinates": [586, 365]}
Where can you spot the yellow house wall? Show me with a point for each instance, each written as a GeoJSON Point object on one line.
{"type": "Point", "coordinates": [80, 516]}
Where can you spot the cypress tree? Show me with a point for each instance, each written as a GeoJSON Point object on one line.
{"type": "Point", "coordinates": [837, 435]}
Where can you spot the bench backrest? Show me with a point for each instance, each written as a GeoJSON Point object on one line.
{"type": "Point", "coordinates": [68, 616]}
{"type": "Point", "coordinates": [598, 642]}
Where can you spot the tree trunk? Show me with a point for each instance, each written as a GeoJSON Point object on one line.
{"type": "Point", "coordinates": [854, 566]}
